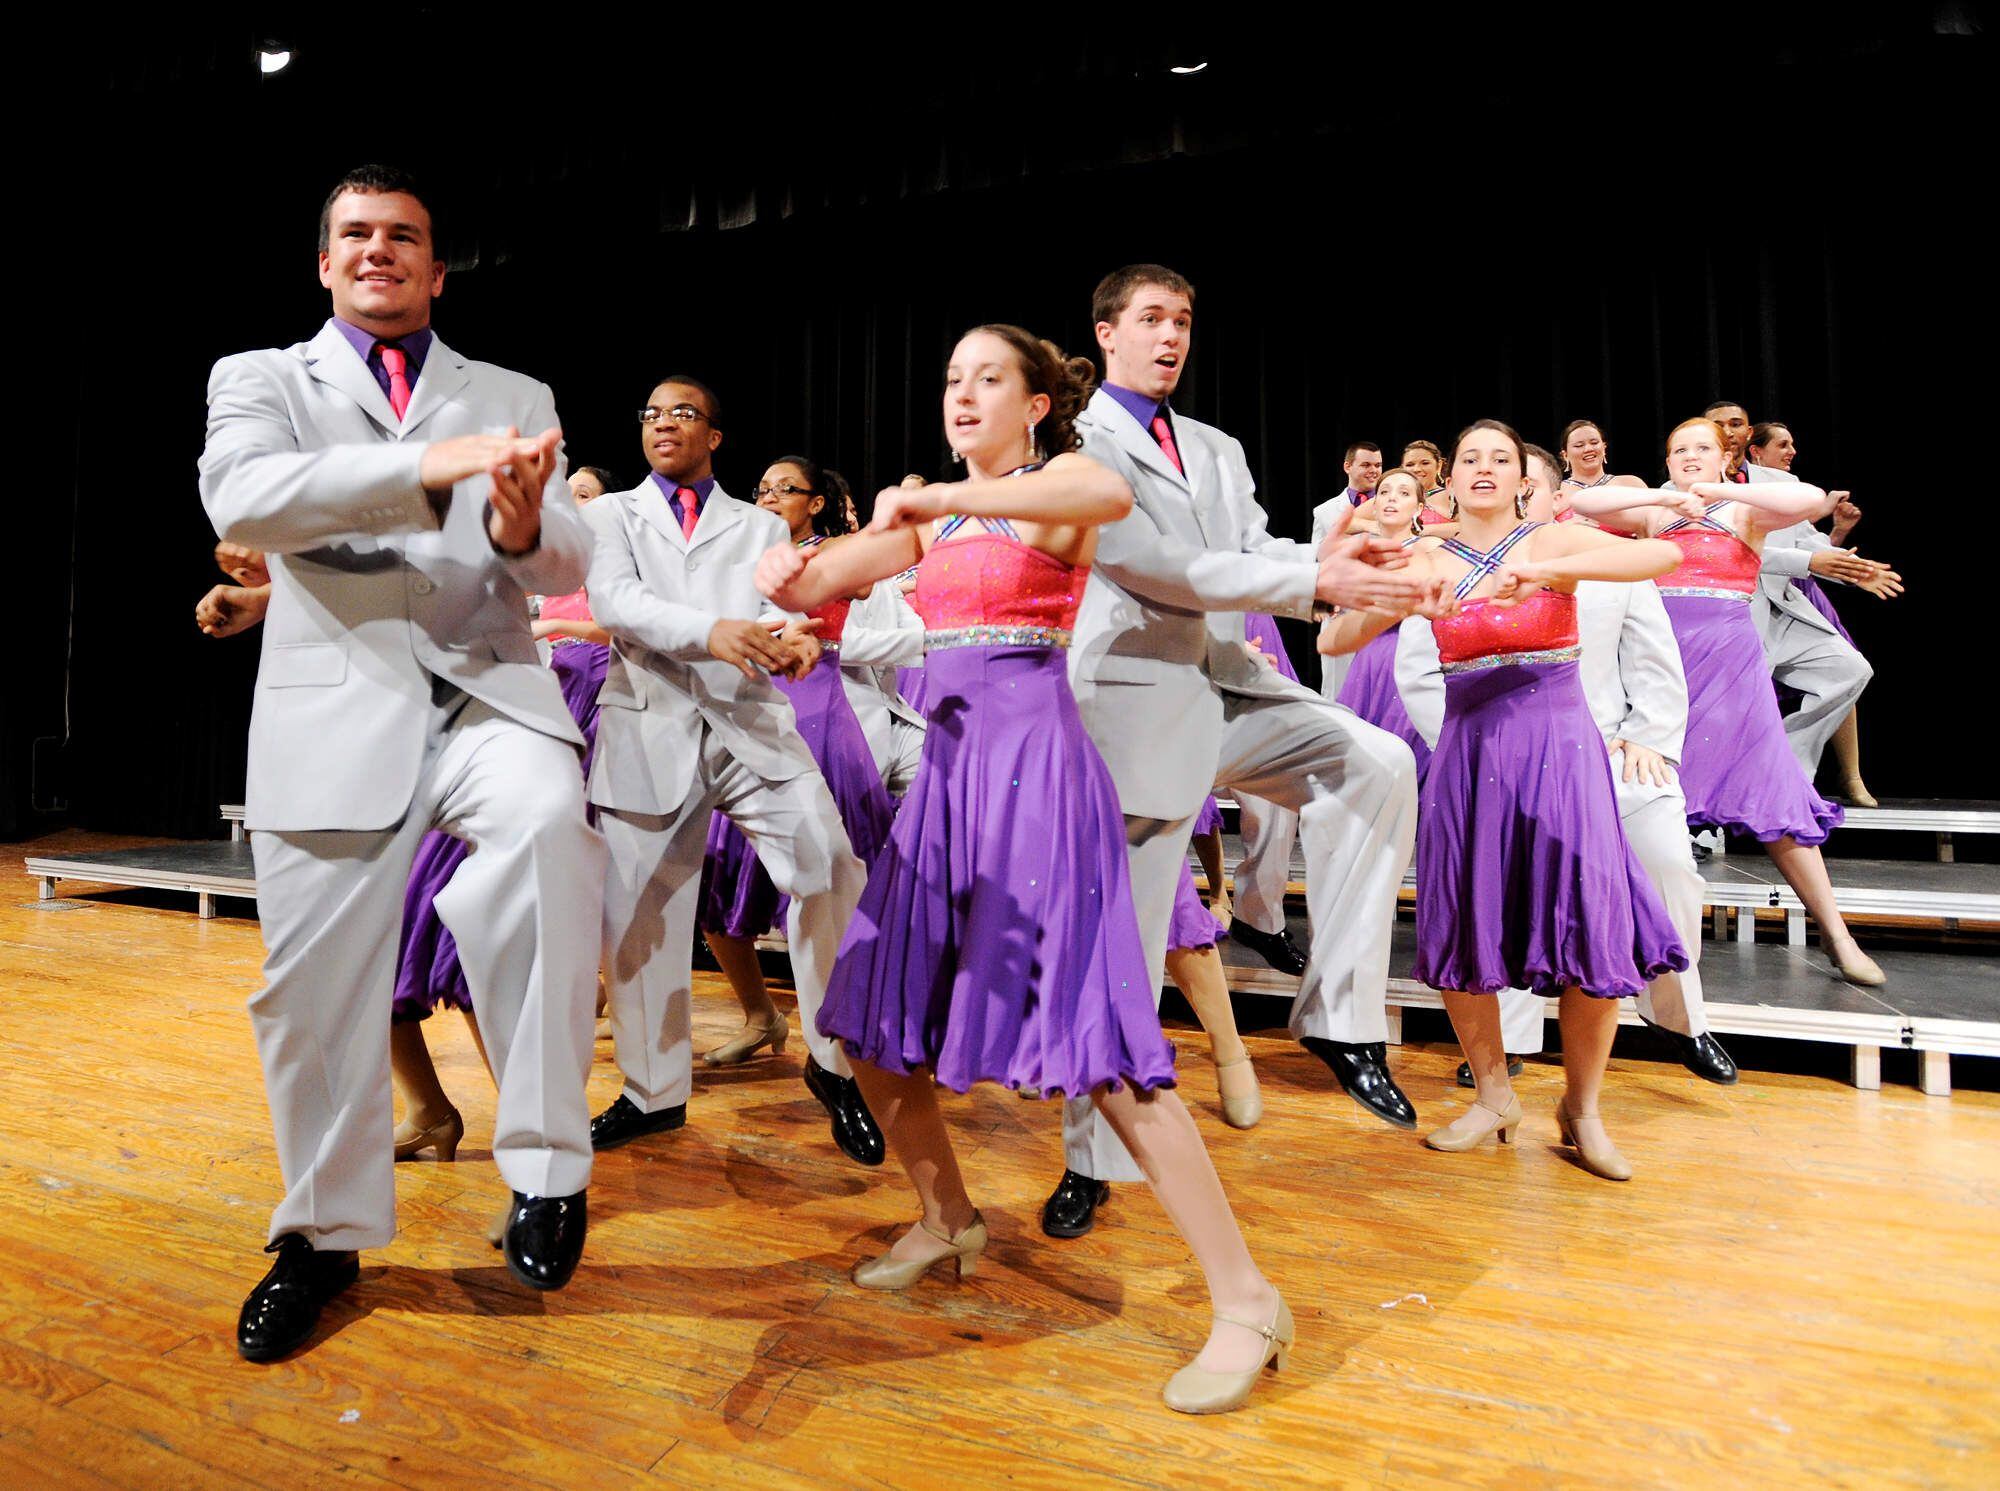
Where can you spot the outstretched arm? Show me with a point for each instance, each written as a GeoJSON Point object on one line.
{"type": "Point", "coordinates": [1564, 555]}
{"type": "Point", "coordinates": [1770, 505]}
{"type": "Point", "coordinates": [1634, 509]}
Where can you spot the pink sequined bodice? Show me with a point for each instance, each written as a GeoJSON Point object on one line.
{"type": "Point", "coordinates": [1711, 561]}
{"type": "Point", "coordinates": [985, 579]}
{"type": "Point", "coordinates": [572, 607]}
{"type": "Point", "coordinates": [832, 618]}
{"type": "Point", "coordinates": [1544, 622]}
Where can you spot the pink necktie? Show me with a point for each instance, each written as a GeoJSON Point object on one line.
{"type": "Point", "coordinates": [396, 364]}
{"type": "Point", "coordinates": [1164, 433]}
{"type": "Point", "coordinates": [690, 510]}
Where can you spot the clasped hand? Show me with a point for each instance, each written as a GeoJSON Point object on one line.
{"type": "Point", "coordinates": [788, 647]}
{"type": "Point", "coordinates": [518, 470]}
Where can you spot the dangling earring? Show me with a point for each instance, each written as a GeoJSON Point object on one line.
{"type": "Point", "coordinates": [1452, 498]}
{"type": "Point", "coordinates": [958, 458]}
{"type": "Point", "coordinates": [1520, 504]}
{"type": "Point", "coordinates": [1031, 440]}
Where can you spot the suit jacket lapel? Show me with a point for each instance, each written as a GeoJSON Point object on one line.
{"type": "Point", "coordinates": [1207, 495]}
{"type": "Point", "coordinates": [716, 517]}
{"type": "Point", "coordinates": [442, 377]}
{"type": "Point", "coordinates": [1113, 418]}
{"type": "Point", "coordinates": [332, 361]}
{"type": "Point", "coordinates": [651, 505]}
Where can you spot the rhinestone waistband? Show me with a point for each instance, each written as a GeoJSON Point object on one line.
{"type": "Point", "coordinates": [1514, 660]}
{"type": "Point", "coordinates": [828, 648]}
{"type": "Point", "coordinates": [995, 636]}
{"type": "Point", "coordinates": [1707, 592]}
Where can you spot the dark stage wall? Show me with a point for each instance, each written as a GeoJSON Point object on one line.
{"type": "Point", "coordinates": [1625, 254]}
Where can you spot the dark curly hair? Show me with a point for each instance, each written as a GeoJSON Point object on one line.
{"type": "Point", "coordinates": [1068, 382]}
{"type": "Point", "coordinates": [823, 482]}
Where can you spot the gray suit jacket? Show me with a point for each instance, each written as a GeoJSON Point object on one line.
{"type": "Point", "coordinates": [883, 633]}
{"type": "Point", "coordinates": [372, 596]}
{"type": "Point", "coordinates": [660, 595]}
{"type": "Point", "coordinates": [1630, 668]}
{"type": "Point", "coordinates": [1159, 637]}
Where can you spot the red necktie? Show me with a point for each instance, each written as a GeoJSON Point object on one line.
{"type": "Point", "coordinates": [396, 363]}
{"type": "Point", "coordinates": [1164, 433]}
{"type": "Point", "coordinates": [690, 510]}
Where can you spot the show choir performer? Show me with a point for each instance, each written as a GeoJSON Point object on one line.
{"type": "Point", "coordinates": [690, 724]}
{"type": "Point", "coordinates": [1370, 690]}
{"type": "Point", "coordinates": [1524, 877]}
{"type": "Point", "coordinates": [997, 939]}
{"type": "Point", "coordinates": [399, 690]}
{"type": "Point", "coordinates": [1630, 670]}
{"type": "Point", "coordinates": [1738, 772]}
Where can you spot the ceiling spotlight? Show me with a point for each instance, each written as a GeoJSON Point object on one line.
{"type": "Point", "coordinates": [1184, 71]}
{"type": "Point", "coordinates": [273, 59]}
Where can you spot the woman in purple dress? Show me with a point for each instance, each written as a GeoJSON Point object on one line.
{"type": "Point", "coordinates": [996, 941]}
{"type": "Point", "coordinates": [738, 901]}
{"type": "Point", "coordinates": [1737, 771]}
{"type": "Point", "coordinates": [1524, 877]}
{"type": "Point", "coordinates": [1370, 687]}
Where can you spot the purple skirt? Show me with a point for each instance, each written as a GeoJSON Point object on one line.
{"type": "Point", "coordinates": [737, 897]}
{"type": "Point", "coordinates": [1737, 768]}
{"type": "Point", "coordinates": [1371, 692]}
{"type": "Point", "coordinates": [1193, 925]}
{"type": "Point", "coordinates": [1264, 630]}
{"type": "Point", "coordinates": [427, 971]}
{"type": "Point", "coordinates": [1209, 819]}
{"type": "Point", "coordinates": [910, 684]}
{"type": "Point", "coordinates": [1524, 878]}
{"type": "Point", "coordinates": [996, 940]}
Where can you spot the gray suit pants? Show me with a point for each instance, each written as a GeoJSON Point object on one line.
{"type": "Point", "coordinates": [523, 907]}
{"type": "Point", "coordinates": [651, 898]}
{"type": "Point", "coordinates": [1354, 790]}
{"type": "Point", "coordinates": [1824, 667]}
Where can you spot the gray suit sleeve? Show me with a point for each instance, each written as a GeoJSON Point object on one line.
{"type": "Point", "coordinates": [560, 562]}
{"type": "Point", "coordinates": [1255, 536]}
{"type": "Point", "coordinates": [1649, 666]}
{"type": "Point", "coordinates": [621, 601]}
{"type": "Point", "coordinates": [1420, 677]}
{"type": "Point", "coordinates": [891, 634]}
{"type": "Point", "coordinates": [261, 490]}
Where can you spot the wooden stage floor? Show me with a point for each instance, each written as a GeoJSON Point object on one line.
{"type": "Point", "coordinates": [1802, 1286]}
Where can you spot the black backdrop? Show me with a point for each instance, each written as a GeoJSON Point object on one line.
{"type": "Point", "coordinates": [808, 221]}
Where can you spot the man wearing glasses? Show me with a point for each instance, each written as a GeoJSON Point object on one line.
{"type": "Point", "coordinates": [689, 725]}
{"type": "Point", "coordinates": [404, 515]}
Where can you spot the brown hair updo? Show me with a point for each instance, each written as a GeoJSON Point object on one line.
{"type": "Point", "coordinates": [1068, 382]}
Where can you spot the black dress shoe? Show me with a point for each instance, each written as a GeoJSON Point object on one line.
{"type": "Point", "coordinates": [854, 1128]}
{"type": "Point", "coordinates": [545, 1238]}
{"type": "Point", "coordinates": [1702, 1055]}
{"type": "Point", "coordinates": [622, 1122]}
{"type": "Point", "coordinates": [1699, 850]}
{"type": "Point", "coordinates": [1275, 948]}
{"type": "Point", "coordinates": [282, 1310]}
{"type": "Point", "coordinates": [1363, 1070]}
{"type": "Point", "coordinates": [1071, 1209]}
{"type": "Point", "coordinates": [1465, 1071]}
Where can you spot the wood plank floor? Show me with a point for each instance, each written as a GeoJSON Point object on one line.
{"type": "Point", "coordinates": [1802, 1286]}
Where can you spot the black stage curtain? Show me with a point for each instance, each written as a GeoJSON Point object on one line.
{"type": "Point", "coordinates": [1368, 265]}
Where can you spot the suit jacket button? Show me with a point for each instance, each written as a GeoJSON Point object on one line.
{"type": "Point", "coordinates": [421, 585]}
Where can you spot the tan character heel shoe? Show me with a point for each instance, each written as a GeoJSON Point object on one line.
{"type": "Point", "coordinates": [900, 1273]}
{"type": "Point", "coordinates": [1195, 1390]}
{"type": "Point", "coordinates": [1455, 1140]}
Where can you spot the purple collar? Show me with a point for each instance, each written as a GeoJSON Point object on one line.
{"type": "Point", "coordinates": [416, 345]}
{"type": "Point", "coordinates": [1140, 407]}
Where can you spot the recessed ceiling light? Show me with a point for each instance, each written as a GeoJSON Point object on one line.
{"type": "Point", "coordinates": [1184, 71]}
{"type": "Point", "coordinates": [270, 61]}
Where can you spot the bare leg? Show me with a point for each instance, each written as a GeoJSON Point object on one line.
{"type": "Point", "coordinates": [1805, 871]}
{"type": "Point", "coordinates": [737, 957]}
{"type": "Point", "coordinates": [1588, 1028]}
{"type": "Point", "coordinates": [1197, 973]}
{"type": "Point", "coordinates": [479, 1043]}
{"type": "Point", "coordinates": [1475, 1020]}
{"type": "Point", "coordinates": [1208, 850]}
{"type": "Point", "coordinates": [1847, 755]}
{"type": "Point", "coordinates": [425, 1104]}
{"type": "Point", "coordinates": [1158, 1130]}
{"type": "Point", "coordinates": [907, 1110]}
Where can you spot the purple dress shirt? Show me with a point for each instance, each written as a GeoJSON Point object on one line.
{"type": "Point", "coordinates": [672, 489]}
{"type": "Point", "coordinates": [416, 347]}
{"type": "Point", "coordinates": [1140, 407]}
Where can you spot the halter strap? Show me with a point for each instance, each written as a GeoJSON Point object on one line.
{"type": "Point", "coordinates": [1483, 564]}
{"type": "Point", "coordinates": [1585, 486]}
{"type": "Point", "coordinates": [812, 541]}
{"type": "Point", "coordinates": [990, 525]}
{"type": "Point", "coordinates": [1706, 520]}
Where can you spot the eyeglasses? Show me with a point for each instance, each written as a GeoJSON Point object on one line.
{"type": "Point", "coordinates": [783, 489]}
{"type": "Point", "coordinates": [680, 414]}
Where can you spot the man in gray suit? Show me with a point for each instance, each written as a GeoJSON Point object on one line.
{"type": "Point", "coordinates": [689, 724]}
{"type": "Point", "coordinates": [1177, 702]}
{"type": "Point", "coordinates": [404, 517]}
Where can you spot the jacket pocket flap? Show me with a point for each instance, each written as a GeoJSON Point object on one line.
{"type": "Point", "coordinates": [513, 647]}
{"type": "Point", "coordinates": [303, 665]}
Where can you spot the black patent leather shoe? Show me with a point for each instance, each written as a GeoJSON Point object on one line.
{"type": "Point", "coordinates": [280, 1313]}
{"type": "Point", "coordinates": [1071, 1209]}
{"type": "Point", "coordinates": [1465, 1071]}
{"type": "Point", "coordinates": [545, 1238]}
{"type": "Point", "coordinates": [854, 1127]}
{"type": "Point", "coordinates": [1701, 852]}
{"type": "Point", "coordinates": [1275, 948]}
{"type": "Point", "coordinates": [1362, 1068]}
{"type": "Point", "coordinates": [1704, 1056]}
{"type": "Point", "coordinates": [622, 1122]}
